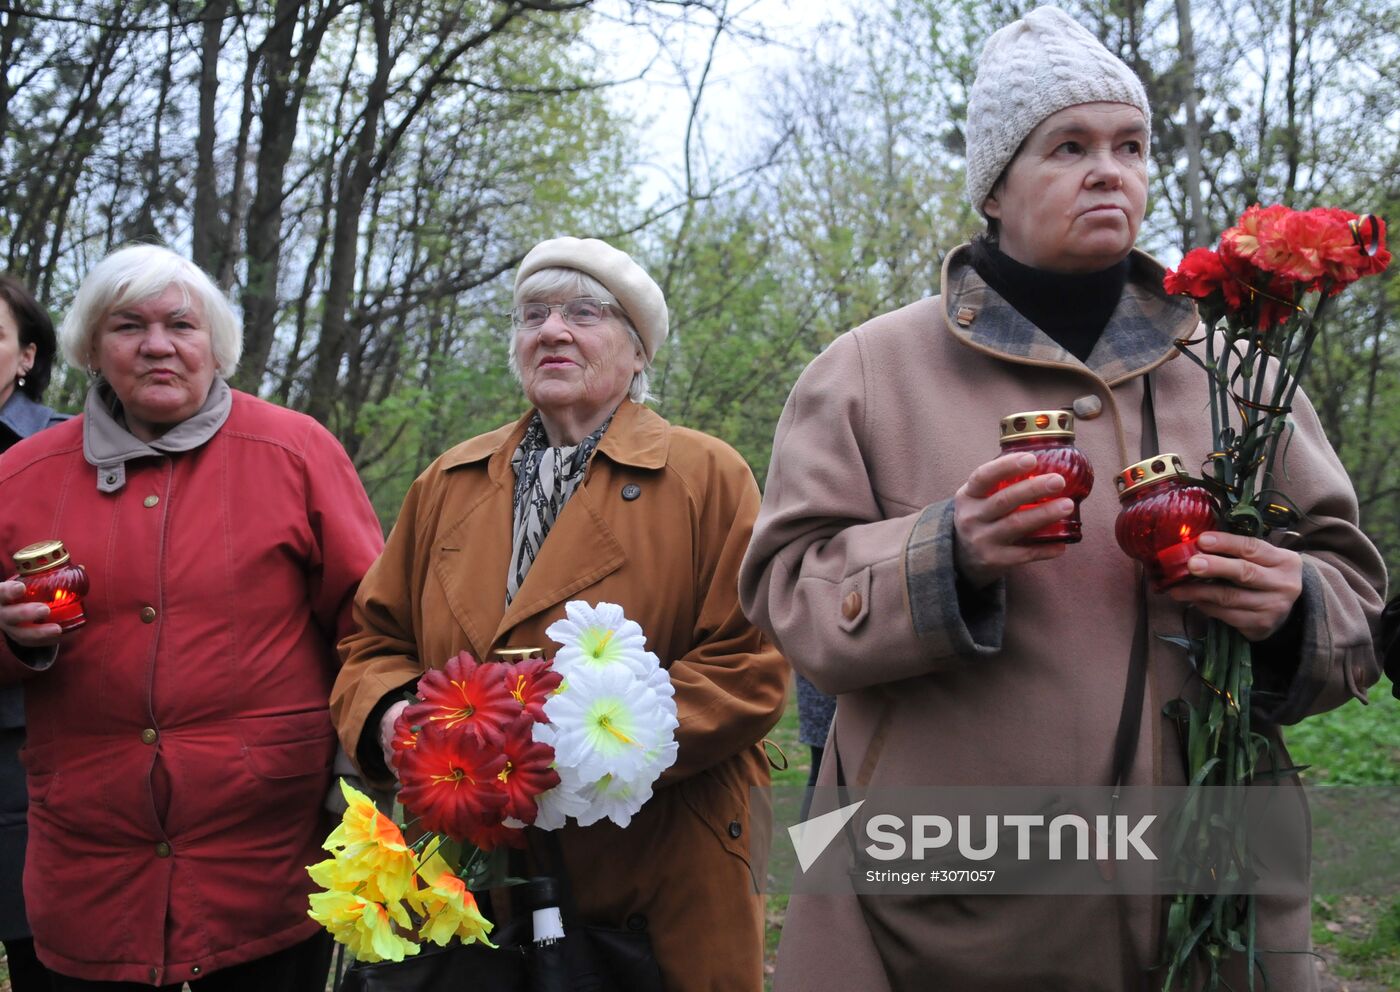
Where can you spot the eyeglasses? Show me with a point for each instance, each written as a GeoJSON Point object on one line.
{"type": "Point", "coordinates": [581, 312]}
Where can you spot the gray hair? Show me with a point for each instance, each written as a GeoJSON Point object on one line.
{"type": "Point", "coordinates": [556, 282]}
{"type": "Point", "coordinates": [138, 273]}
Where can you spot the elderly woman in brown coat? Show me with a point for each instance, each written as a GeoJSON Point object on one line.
{"type": "Point", "coordinates": [592, 496]}
{"type": "Point", "coordinates": [962, 657]}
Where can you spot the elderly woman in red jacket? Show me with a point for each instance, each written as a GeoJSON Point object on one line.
{"type": "Point", "coordinates": [179, 741]}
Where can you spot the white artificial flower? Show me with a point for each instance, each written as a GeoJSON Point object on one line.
{"type": "Point", "coordinates": [608, 722]}
{"type": "Point", "coordinates": [657, 677]}
{"type": "Point", "coordinates": [614, 799]}
{"type": "Point", "coordinates": [593, 638]}
{"type": "Point", "coordinates": [561, 802]}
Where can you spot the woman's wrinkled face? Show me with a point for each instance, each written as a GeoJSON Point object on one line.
{"type": "Point", "coordinates": [15, 358]}
{"type": "Point", "coordinates": [1073, 198]}
{"type": "Point", "coordinates": [158, 356]}
{"type": "Point", "coordinates": [576, 371]}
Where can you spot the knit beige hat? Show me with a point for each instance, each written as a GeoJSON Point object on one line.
{"type": "Point", "coordinates": [1030, 69]}
{"type": "Point", "coordinates": [637, 293]}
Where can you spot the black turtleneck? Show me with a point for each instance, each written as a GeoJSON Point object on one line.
{"type": "Point", "coordinates": [1072, 308]}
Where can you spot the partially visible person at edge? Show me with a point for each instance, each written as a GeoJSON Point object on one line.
{"type": "Point", "coordinates": [962, 658]}
{"type": "Point", "coordinates": [592, 496]}
{"type": "Point", "coordinates": [180, 745]}
{"type": "Point", "coordinates": [27, 347]}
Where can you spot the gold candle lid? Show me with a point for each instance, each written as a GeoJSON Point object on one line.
{"type": "Point", "coordinates": [519, 654]}
{"type": "Point", "coordinates": [40, 557]}
{"type": "Point", "coordinates": [1037, 423]}
{"type": "Point", "coordinates": [1149, 470]}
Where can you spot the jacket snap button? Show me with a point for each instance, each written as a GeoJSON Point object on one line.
{"type": "Point", "coordinates": [111, 480]}
{"type": "Point", "coordinates": [196, 970]}
{"type": "Point", "coordinates": [636, 922]}
{"type": "Point", "coordinates": [735, 829]}
{"type": "Point", "coordinates": [150, 501]}
{"type": "Point", "coordinates": [162, 850]}
{"type": "Point", "coordinates": [1088, 407]}
{"type": "Point", "coordinates": [148, 614]}
{"type": "Point", "coordinates": [148, 736]}
{"type": "Point", "coordinates": [631, 491]}
{"type": "Point", "coordinates": [850, 606]}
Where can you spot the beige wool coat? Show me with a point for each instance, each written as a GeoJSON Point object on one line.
{"type": "Point", "coordinates": [659, 526]}
{"type": "Point", "coordinates": [1021, 684]}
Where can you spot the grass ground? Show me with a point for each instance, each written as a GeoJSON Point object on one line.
{"type": "Point", "coordinates": [1357, 936]}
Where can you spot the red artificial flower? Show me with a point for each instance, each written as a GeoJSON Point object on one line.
{"type": "Point", "coordinates": [489, 836]}
{"type": "Point", "coordinates": [451, 781]}
{"type": "Point", "coordinates": [466, 696]}
{"type": "Point", "coordinates": [528, 772]}
{"type": "Point", "coordinates": [531, 683]}
{"type": "Point", "coordinates": [1201, 274]}
{"type": "Point", "coordinates": [405, 735]}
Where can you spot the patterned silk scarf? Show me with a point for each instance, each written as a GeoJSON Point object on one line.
{"type": "Point", "coordinates": [545, 478]}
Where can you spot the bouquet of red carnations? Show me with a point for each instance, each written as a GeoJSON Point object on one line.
{"type": "Point", "coordinates": [488, 750]}
{"type": "Point", "coordinates": [1253, 293]}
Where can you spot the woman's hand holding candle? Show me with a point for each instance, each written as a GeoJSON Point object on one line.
{"type": "Point", "coordinates": [24, 622]}
{"type": "Point", "coordinates": [1256, 583]}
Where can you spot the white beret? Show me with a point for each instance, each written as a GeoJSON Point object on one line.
{"type": "Point", "coordinates": [636, 292]}
{"type": "Point", "coordinates": [1028, 70]}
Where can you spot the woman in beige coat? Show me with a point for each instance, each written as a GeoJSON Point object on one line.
{"type": "Point", "coordinates": [962, 658]}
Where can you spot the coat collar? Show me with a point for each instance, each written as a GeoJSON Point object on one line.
{"type": "Point", "coordinates": [638, 436]}
{"type": "Point", "coordinates": [1141, 334]}
{"type": "Point", "coordinates": [473, 553]}
{"type": "Point", "coordinates": [108, 445]}
{"type": "Point", "coordinates": [25, 417]}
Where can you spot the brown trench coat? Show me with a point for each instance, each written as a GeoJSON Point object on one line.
{"type": "Point", "coordinates": [1022, 684]}
{"type": "Point", "coordinates": [691, 860]}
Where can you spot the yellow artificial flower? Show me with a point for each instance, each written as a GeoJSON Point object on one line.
{"type": "Point", "coordinates": [448, 907]}
{"type": "Point", "coordinates": [370, 853]}
{"type": "Point", "coordinates": [362, 925]}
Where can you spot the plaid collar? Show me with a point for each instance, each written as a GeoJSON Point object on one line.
{"type": "Point", "coordinates": [1141, 334]}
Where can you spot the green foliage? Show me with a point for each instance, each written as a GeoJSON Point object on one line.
{"type": "Point", "coordinates": [1351, 745]}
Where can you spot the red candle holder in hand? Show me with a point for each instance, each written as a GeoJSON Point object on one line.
{"type": "Point", "coordinates": [50, 577]}
{"type": "Point", "coordinates": [1049, 435]}
{"type": "Point", "coordinates": [1163, 512]}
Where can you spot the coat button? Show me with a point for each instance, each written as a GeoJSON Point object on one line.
{"type": "Point", "coordinates": [162, 850]}
{"type": "Point", "coordinates": [111, 479]}
{"type": "Point", "coordinates": [195, 970]}
{"type": "Point", "coordinates": [1088, 407]}
{"type": "Point", "coordinates": [735, 829]}
{"type": "Point", "coordinates": [850, 606]}
{"type": "Point", "coordinates": [636, 922]}
{"type": "Point", "coordinates": [150, 501]}
{"type": "Point", "coordinates": [631, 491]}
{"type": "Point", "coordinates": [148, 736]}
{"type": "Point", "coordinates": [148, 614]}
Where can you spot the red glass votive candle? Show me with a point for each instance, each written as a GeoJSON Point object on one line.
{"type": "Point", "coordinates": [49, 577]}
{"type": "Point", "coordinates": [1049, 435]}
{"type": "Point", "coordinates": [1163, 513]}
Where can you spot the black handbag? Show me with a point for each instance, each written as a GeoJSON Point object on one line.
{"type": "Point", "coordinates": [1389, 642]}
{"type": "Point", "coordinates": [587, 959]}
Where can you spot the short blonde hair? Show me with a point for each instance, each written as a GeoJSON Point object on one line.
{"type": "Point", "coordinates": [553, 283]}
{"type": "Point", "coordinates": [138, 273]}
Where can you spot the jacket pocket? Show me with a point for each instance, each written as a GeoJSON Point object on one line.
{"type": "Point", "coordinates": [38, 761]}
{"type": "Point", "coordinates": [720, 801]}
{"type": "Point", "coordinates": [290, 745]}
